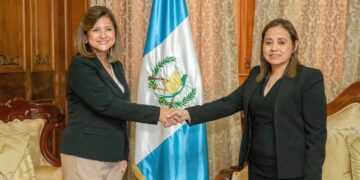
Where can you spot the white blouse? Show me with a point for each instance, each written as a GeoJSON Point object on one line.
{"type": "Point", "coordinates": [116, 80]}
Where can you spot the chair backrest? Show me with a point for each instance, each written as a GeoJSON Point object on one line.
{"type": "Point", "coordinates": [20, 109]}
{"type": "Point", "coordinates": [350, 95]}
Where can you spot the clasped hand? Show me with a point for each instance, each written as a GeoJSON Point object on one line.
{"type": "Point", "coordinates": [169, 117]}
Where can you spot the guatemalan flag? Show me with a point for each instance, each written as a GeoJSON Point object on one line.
{"type": "Point", "coordinates": [170, 77]}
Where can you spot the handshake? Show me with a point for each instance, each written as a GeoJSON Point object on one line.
{"type": "Point", "coordinates": [169, 117]}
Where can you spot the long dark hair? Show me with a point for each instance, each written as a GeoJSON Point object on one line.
{"type": "Point", "coordinates": [291, 69]}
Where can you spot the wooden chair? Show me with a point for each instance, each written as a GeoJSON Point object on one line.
{"type": "Point", "coordinates": [350, 95]}
{"type": "Point", "coordinates": [18, 108]}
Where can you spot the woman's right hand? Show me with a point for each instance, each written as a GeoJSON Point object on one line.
{"type": "Point", "coordinates": [180, 115]}
{"type": "Point", "coordinates": [164, 118]}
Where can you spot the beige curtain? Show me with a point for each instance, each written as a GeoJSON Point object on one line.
{"type": "Point", "coordinates": [329, 32]}
{"type": "Point", "coordinates": [213, 31]}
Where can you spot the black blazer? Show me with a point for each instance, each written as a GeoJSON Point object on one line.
{"type": "Point", "coordinates": [300, 121]}
{"type": "Point", "coordinates": [98, 111]}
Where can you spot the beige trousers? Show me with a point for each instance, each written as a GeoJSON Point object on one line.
{"type": "Point", "coordinates": [77, 168]}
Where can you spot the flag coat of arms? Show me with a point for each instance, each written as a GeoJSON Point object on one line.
{"type": "Point", "coordinates": [170, 77]}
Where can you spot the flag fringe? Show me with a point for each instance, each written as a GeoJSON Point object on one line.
{"type": "Point", "coordinates": [137, 172]}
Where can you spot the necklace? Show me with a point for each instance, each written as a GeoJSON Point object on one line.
{"type": "Point", "coordinates": [272, 81]}
{"type": "Point", "coordinates": [107, 66]}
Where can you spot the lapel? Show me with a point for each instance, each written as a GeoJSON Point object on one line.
{"type": "Point", "coordinates": [103, 73]}
{"type": "Point", "coordinates": [286, 90]}
{"type": "Point", "coordinates": [249, 91]}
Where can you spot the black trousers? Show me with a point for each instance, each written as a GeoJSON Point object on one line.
{"type": "Point", "coordinates": [253, 176]}
{"type": "Point", "coordinates": [255, 173]}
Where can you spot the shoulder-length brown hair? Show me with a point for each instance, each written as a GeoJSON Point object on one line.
{"type": "Point", "coordinates": [291, 69]}
{"type": "Point", "coordinates": [87, 22]}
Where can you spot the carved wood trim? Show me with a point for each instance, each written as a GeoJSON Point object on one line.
{"type": "Point", "coordinates": [8, 65]}
{"type": "Point", "coordinates": [38, 60]}
{"type": "Point", "coordinates": [6, 61]}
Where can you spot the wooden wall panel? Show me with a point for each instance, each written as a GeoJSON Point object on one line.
{"type": "Point", "coordinates": [36, 47]}
{"type": "Point", "coordinates": [74, 11]}
{"type": "Point", "coordinates": [7, 84]}
{"type": "Point", "coordinates": [14, 80]}
{"type": "Point", "coordinates": [42, 18]}
{"type": "Point", "coordinates": [43, 86]}
{"type": "Point", "coordinates": [244, 14]}
{"type": "Point", "coordinates": [12, 55]}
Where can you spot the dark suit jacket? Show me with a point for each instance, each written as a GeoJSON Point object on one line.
{"type": "Point", "coordinates": [300, 121]}
{"type": "Point", "coordinates": [98, 111]}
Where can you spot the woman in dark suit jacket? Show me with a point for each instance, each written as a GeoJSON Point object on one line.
{"type": "Point", "coordinates": [95, 144]}
{"type": "Point", "coordinates": [285, 111]}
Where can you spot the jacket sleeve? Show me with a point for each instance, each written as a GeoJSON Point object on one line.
{"type": "Point", "coordinates": [314, 114]}
{"type": "Point", "coordinates": [217, 109]}
{"type": "Point", "coordinates": [86, 82]}
{"type": "Point", "coordinates": [222, 107]}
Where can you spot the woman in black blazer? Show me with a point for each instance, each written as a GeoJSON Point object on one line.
{"type": "Point", "coordinates": [285, 111]}
{"type": "Point", "coordinates": [95, 144]}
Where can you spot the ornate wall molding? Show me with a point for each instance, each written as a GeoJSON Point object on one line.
{"type": "Point", "coordinates": [6, 61]}
{"type": "Point", "coordinates": [38, 60]}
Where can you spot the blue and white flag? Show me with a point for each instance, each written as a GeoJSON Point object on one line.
{"type": "Point", "coordinates": [170, 77]}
